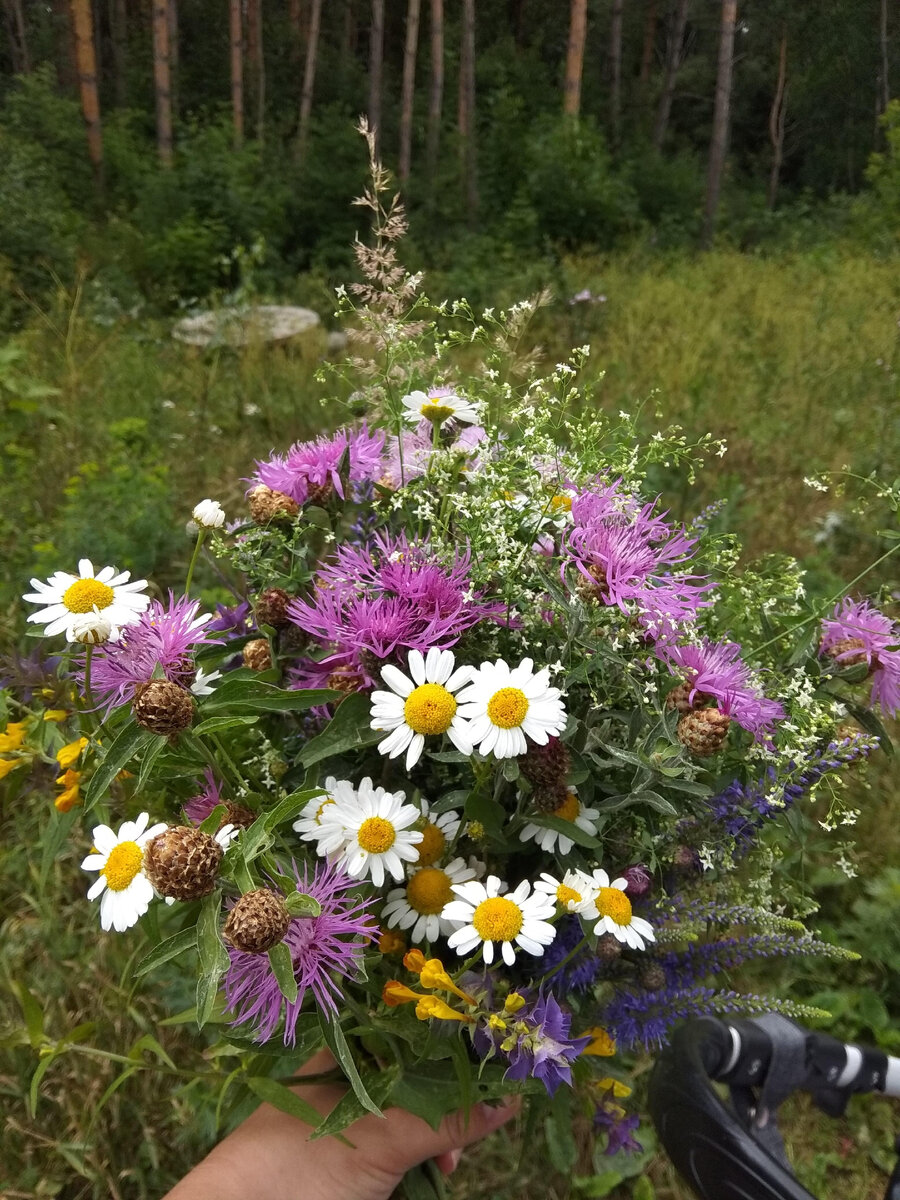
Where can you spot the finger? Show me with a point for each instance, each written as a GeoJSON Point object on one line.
{"type": "Point", "coordinates": [409, 1140]}
{"type": "Point", "coordinates": [448, 1161]}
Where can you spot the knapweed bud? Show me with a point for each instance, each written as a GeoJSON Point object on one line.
{"type": "Point", "coordinates": [704, 731]}
{"type": "Point", "coordinates": [183, 862]}
{"type": "Point", "coordinates": [679, 698]}
{"type": "Point", "coordinates": [209, 514]}
{"type": "Point", "coordinates": [257, 655]}
{"type": "Point", "coordinates": [842, 651]}
{"type": "Point", "coordinates": [258, 921]}
{"type": "Point", "coordinates": [686, 859]}
{"type": "Point", "coordinates": [268, 505]}
{"type": "Point", "coordinates": [546, 767]}
{"type": "Point", "coordinates": [271, 607]}
{"type": "Point", "coordinates": [163, 707]}
{"type": "Point", "coordinates": [652, 977]}
{"type": "Point", "coordinates": [639, 881]}
{"type": "Point", "coordinates": [609, 948]}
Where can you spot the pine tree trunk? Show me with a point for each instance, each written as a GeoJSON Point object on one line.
{"type": "Point", "coordinates": [309, 79]}
{"type": "Point", "coordinates": [162, 81]}
{"type": "Point", "coordinates": [436, 91]}
{"type": "Point", "coordinates": [466, 111]}
{"type": "Point", "coordinates": [118, 36]}
{"type": "Point", "coordinates": [409, 87]}
{"type": "Point", "coordinates": [674, 49]}
{"type": "Point", "coordinates": [615, 70]}
{"type": "Point", "coordinates": [237, 71]}
{"type": "Point", "coordinates": [21, 60]}
{"type": "Point", "coordinates": [575, 57]}
{"type": "Point", "coordinates": [86, 66]}
{"type": "Point", "coordinates": [257, 66]}
{"type": "Point", "coordinates": [349, 32]}
{"type": "Point", "coordinates": [719, 142]}
{"type": "Point", "coordinates": [295, 20]}
{"type": "Point", "coordinates": [173, 54]}
{"type": "Point", "coordinates": [649, 44]}
{"type": "Point", "coordinates": [376, 62]}
{"type": "Point", "coordinates": [885, 96]}
{"type": "Point", "coordinates": [776, 120]}
{"type": "Point", "coordinates": [64, 38]}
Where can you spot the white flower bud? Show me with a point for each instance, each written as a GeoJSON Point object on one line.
{"type": "Point", "coordinates": [91, 628]}
{"type": "Point", "coordinates": [209, 514]}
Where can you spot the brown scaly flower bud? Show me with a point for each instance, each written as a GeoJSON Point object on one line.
{"type": "Point", "coordinates": [319, 493]}
{"type": "Point", "coordinates": [551, 799]}
{"type": "Point", "coordinates": [237, 815]}
{"type": "Point", "coordinates": [652, 977]}
{"type": "Point", "coordinates": [268, 505]}
{"type": "Point", "coordinates": [183, 862]}
{"type": "Point", "coordinates": [345, 680]}
{"type": "Point", "coordinates": [257, 922]}
{"type": "Point", "coordinates": [609, 948]}
{"type": "Point", "coordinates": [257, 655]}
{"type": "Point", "coordinates": [686, 859]}
{"type": "Point", "coordinates": [271, 608]}
{"type": "Point", "coordinates": [844, 646]}
{"type": "Point", "coordinates": [162, 707]}
{"type": "Point", "coordinates": [704, 731]}
{"type": "Point", "coordinates": [546, 767]}
{"type": "Point", "coordinates": [679, 698]}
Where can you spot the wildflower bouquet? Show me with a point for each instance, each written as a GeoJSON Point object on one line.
{"type": "Point", "coordinates": [467, 780]}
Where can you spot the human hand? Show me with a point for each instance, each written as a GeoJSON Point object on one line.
{"type": "Point", "coordinates": [270, 1157]}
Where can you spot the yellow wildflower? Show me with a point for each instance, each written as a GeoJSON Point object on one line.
{"type": "Point", "coordinates": [70, 795]}
{"type": "Point", "coordinates": [9, 764]}
{"type": "Point", "coordinates": [433, 975]}
{"type": "Point", "coordinates": [414, 961]}
{"type": "Point", "coordinates": [12, 737]}
{"type": "Point", "coordinates": [601, 1045]}
{"type": "Point", "coordinates": [391, 942]}
{"type": "Point", "coordinates": [68, 754]}
{"type": "Point", "coordinates": [433, 1006]}
{"type": "Point", "coordinates": [55, 714]}
{"type": "Point", "coordinates": [394, 993]}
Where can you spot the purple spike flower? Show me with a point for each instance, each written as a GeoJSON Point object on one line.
{"type": "Point", "coordinates": [538, 1044]}
{"type": "Point", "coordinates": [618, 1125]}
{"type": "Point", "coordinates": [163, 636]}
{"type": "Point", "coordinates": [580, 971]}
{"type": "Point", "coordinates": [872, 637]}
{"type": "Point", "coordinates": [715, 669]}
{"type": "Point", "coordinates": [323, 948]}
{"type": "Point", "coordinates": [317, 463]}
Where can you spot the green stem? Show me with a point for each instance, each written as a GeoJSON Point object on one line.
{"type": "Point", "coordinates": [201, 534]}
{"type": "Point", "coordinates": [88, 656]}
{"type": "Point", "coordinates": [823, 608]}
{"type": "Point", "coordinates": [228, 760]}
{"type": "Point", "coordinates": [565, 961]}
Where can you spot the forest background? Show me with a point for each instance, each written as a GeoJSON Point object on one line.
{"type": "Point", "coordinates": [710, 189]}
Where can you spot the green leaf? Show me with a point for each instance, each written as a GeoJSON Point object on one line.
{"type": "Point", "coordinates": [561, 1148]}
{"type": "Point", "coordinates": [487, 810]}
{"type": "Point", "coordinates": [147, 762]}
{"type": "Point", "coordinates": [337, 1044]}
{"type": "Point", "coordinates": [213, 956]}
{"type": "Point", "coordinates": [32, 1014]}
{"type": "Point", "coordinates": [220, 724]}
{"type": "Point", "coordinates": [283, 969]}
{"type": "Point", "coordinates": [170, 948]}
{"type": "Point", "coordinates": [288, 808]}
{"type": "Point", "coordinates": [211, 823]}
{"type": "Point", "coordinates": [258, 696]}
{"type": "Point", "coordinates": [347, 730]}
{"type": "Point", "coordinates": [567, 828]}
{"type": "Point", "coordinates": [651, 799]}
{"type": "Point", "coordinates": [299, 904]}
{"type": "Point", "coordinates": [283, 1098]}
{"type": "Point", "coordinates": [60, 824]}
{"type": "Point", "coordinates": [872, 725]}
{"type": "Point", "coordinates": [378, 1084]}
{"type": "Point", "coordinates": [131, 741]}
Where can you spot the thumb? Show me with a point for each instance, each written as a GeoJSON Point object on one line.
{"type": "Point", "coordinates": [457, 1131]}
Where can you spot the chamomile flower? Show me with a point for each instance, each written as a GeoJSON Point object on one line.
{"type": "Point", "coordinates": [419, 904]}
{"type": "Point", "coordinates": [438, 405]}
{"type": "Point", "coordinates": [505, 705]}
{"type": "Point", "coordinates": [421, 706]}
{"type": "Point", "coordinates": [574, 893]}
{"type": "Point", "coordinates": [315, 820]}
{"type": "Point", "coordinates": [372, 831]}
{"type": "Point", "coordinates": [571, 809]}
{"type": "Point", "coordinates": [485, 915]}
{"type": "Point", "coordinates": [65, 598]}
{"type": "Point", "coordinates": [124, 889]}
{"type": "Point", "coordinates": [438, 833]}
{"type": "Point", "coordinates": [613, 908]}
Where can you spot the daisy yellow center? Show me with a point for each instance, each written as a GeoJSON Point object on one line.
{"type": "Point", "coordinates": [569, 809]}
{"type": "Point", "coordinates": [565, 895]}
{"type": "Point", "coordinates": [123, 864]}
{"type": "Point", "coordinates": [613, 903]}
{"type": "Point", "coordinates": [84, 594]}
{"type": "Point", "coordinates": [435, 411]}
{"type": "Point", "coordinates": [376, 835]}
{"type": "Point", "coordinates": [561, 504]}
{"type": "Point", "coordinates": [432, 845]}
{"type": "Point", "coordinates": [497, 919]}
{"type": "Point", "coordinates": [508, 707]}
{"type": "Point", "coordinates": [429, 709]}
{"type": "Point", "coordinates": [429, 890]}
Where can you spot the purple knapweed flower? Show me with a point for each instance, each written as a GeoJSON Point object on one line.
{"type": "Point", "coordinates": [536, 1042]}
{"type": "Point", "coordinates": [858, 632]}
{"type": "Point", "coordinates": [198, 808]}
{"type": "Point", "coordinates": [323, 949]}
{"type": "Point", "coordinates": [316, 464]}
{"type": "Point", "coordinates": [715, 670]}
{"type": "Point", "coordinates": [162, 637]}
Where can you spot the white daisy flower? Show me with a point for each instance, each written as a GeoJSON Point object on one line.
{"type": "Point", "coordinates": [571, 809]}
{"type": "Point", "coordinates": [119, 857]}
{"type": "Point", "coordinates": [226, 834]}
{"type": "Point", "coordinates": [209, 514]}
{"type": "Point", "coordinates": [439, 405]}
{"type": "Point", "coordinates": [375, 833]}
{"type": "Point", "coordinates": [91, 628]}
{"type": "Point", "coordinates": [316, 820]}
{"type": "Point", "coordinates": [574, 893]}
{"type": "Point", "coordinates": [486, 916]}
{"type": "Point", "coordinates": [418, 905]}
{"type": "Point", "coordinates": [505, 704]}
{"type": "Point", "coordinates": [613, 908]}
{"type": "Point", "coordinates": [65, 598]}
{"type": "Point", "coordinates": [438, 833]}
{"type": "Point", "coordinates": [423, 705]}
